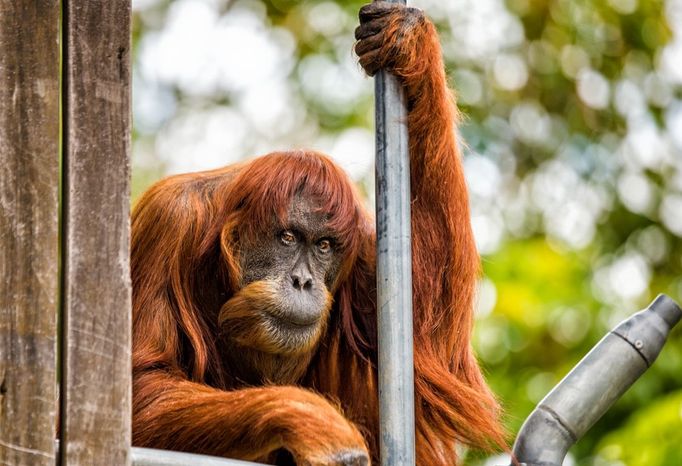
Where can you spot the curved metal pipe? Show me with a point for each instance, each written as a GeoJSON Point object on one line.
{"type": "Point", "coordinates": [594, 384]}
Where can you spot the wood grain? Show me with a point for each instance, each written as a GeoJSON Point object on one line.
{"type": "Point", "coordinates": [96, 381]}
{"type": "Point", "coordinates": [29, 180]}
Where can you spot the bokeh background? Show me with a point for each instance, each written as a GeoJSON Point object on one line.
{"type": "Point", "coordinates": [573, 130]}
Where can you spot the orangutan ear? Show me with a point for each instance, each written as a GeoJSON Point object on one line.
{"type": "Point", "coordinates": [229, 249]}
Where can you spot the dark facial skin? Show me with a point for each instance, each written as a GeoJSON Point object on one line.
{"type": "Point", "coordinates": [301, 256]}
{"type": "Point", "coordinates": [294, 265]}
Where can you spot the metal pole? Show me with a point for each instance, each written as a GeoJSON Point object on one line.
{"type": "Point", "coordinates": [394, 274]}
{"type": "Point", "coordinates": [153, 457]}
{"type": "Point", "coordinates": [594, 384]}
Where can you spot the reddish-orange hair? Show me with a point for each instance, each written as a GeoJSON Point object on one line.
{"type": "Point", "coordinates": [186, 232]}
{"type": "Point", "coordinates": [181, 221]}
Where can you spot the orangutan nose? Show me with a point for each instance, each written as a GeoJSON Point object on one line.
{"type": "Point", "coordinates": [301, 281]}
{"type": "Point", "coordinates": [301, 277]}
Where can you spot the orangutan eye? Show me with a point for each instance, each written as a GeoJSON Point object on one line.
{"type": "Point", "coordinates": [324, 246]}
{"type": "Point", "coordinates": [287, 237]}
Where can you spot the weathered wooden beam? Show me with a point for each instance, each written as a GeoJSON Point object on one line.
{"type": "Point", "coordinates": [96, 377]}
{"type": "Point", "coordinates": [29, 180]}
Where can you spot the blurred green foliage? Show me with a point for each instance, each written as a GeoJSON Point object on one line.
{"type": "Point", "coordinates": [573, 128]}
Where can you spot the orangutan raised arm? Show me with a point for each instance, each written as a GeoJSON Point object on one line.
{"type": "Point", "coordinates": [254, 319]}
{"type": "Point", "coordinates": [453, 403]}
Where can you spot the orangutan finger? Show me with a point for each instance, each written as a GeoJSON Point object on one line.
{"type": "Point", "coordinates": [368, 44]}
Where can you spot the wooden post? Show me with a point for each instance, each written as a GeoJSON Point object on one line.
{"type": "Point", "coordinates": [96, 377]}
{"type": "Point", "coordinates": [29, 180]}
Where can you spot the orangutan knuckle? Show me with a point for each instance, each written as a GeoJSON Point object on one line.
{"type": "Point", "coordinates": [412, 17]}
{"type": "Point", "coordinates": [414, 11]}
{"type": "Point", "coordinates": [350, 458]}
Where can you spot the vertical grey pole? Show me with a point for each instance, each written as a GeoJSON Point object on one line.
{"type": "Point", "coordinates": [394, 274]}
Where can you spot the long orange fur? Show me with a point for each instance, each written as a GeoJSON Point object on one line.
{"type": "Point", "coordinates": [186, 231]}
